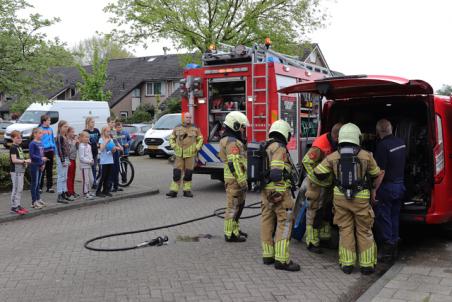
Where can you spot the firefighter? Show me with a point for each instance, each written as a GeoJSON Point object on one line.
{"type": "Point", "coordinates": [186, 140]}
{"type": "Point", "coordinates": [233, 154]}
{"type": "Point", "coordinates": [357, 177]}
{"type": "Point", "coordinates": [277, 203]}
{"type": "Point", "coordinates": [390, 155]}
{"type": "Point", "coordinates": [319, 193]}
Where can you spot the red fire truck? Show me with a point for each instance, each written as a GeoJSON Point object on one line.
{"type": "Point", "coordinates": [248, 79]}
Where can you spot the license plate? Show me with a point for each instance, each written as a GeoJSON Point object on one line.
{"type": "Point", "coordinates": [153, 147]}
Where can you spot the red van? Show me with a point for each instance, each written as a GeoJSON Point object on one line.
{"type": "Point", "coordinates": [422, 119]}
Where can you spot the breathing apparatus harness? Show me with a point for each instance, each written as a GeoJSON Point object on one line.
{"type": "Point", "coordinates": [348, 181]}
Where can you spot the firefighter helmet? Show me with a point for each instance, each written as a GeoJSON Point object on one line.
{"type": "Point", "coordinates": [236, 120]}
{"type": "Point", "coordinates": [350, 133]}
{"type": "Point", "coordinates": [281, 127]}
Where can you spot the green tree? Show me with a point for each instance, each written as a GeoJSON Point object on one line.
{"type": "Point", "coordinates": [26, 54]}
{"type": "Point", "coordinates": [445, 90]}
{"type": "Point", "coordinates": [107, 48]}
{"type": "Point", "coordinates": [195, 24]}
{"type": "Point", "coordinates": [92, 86]}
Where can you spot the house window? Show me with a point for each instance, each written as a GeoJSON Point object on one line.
{"type": "Point", "coordinates": [154, 88]}
{"type": "Point", "coordinates": [124, 114]}
{"type": "Point", "coordinates": [136, 93]}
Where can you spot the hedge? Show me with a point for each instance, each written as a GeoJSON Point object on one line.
{"type": "Point", "coordinates": [5, 177]}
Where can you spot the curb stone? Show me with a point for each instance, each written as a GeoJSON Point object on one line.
{"type": "Point", "coordinates": [375, 289]}
{"type": "Point", "coordinates": [75, 205]}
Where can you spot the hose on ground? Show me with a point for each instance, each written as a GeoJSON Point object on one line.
{"type": "Point", "coordinates": [160, 240]}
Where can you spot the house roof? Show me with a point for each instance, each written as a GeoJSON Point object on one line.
{"type": "Point", "coordinates": [125, 74]}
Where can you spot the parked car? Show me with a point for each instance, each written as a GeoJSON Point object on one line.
{"type": "Point", "coordinates": [74, 112]}
{"type": "Point", "coordinates": [3, 126]}
{"type": "Point", "coordinates": [156, 139]}
{"type": "Point", "coordinates": [136, 132]}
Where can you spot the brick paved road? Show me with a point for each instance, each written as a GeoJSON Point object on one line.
{"type": "Point", "coordinates": [43, 259]}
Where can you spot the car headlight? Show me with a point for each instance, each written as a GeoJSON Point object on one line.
{"type": "Point", "coordinates": [27, 132]}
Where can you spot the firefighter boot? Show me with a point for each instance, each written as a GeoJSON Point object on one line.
{"type": "Point", "coordinates": [188, 194]}
{"type": "Point", "coordinates": [268, 260]}
{"type": "Point", "coordinates": [312, 239]}
{"type": "Point", "coordinates": [289, 266]}
{"type": "Point", "coordinates": [171, 194]}
{"type": "Point", "coordinates": [367, 270]}
{"type": "Point", "coordinates": [347, 269]}
{"type": "Point", "coordinates": [234, 238]}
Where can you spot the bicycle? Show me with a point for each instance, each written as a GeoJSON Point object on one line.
{"type": "Point", "coordinates": [126, 172]}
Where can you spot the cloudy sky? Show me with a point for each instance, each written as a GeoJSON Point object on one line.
{"type": "Point", "coordinates": [408, 38]}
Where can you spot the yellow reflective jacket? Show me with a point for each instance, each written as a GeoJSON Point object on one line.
{"type": "Point", "coordinates": [368, 166]}
{"type": "Point", "coordinates": [311, 159]}
{"type": "Point", "coordinates": [186, 141]}
{"type": "Point", "coordinates": [278, 158]}
{"type": "Point", "coordinates": [233, 154]}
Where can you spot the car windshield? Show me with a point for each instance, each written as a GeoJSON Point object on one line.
{"type": "Point", "coordinates": [31, 117]}
{"type": "Point", "coordinates": [145, 128]}
{"type": "Point", "coordinates": [168, 122]}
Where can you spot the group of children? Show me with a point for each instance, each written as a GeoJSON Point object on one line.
{"type": "Point", "coordinates": [107, 145]}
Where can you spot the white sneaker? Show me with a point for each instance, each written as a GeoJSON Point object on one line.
{"type": "Point", "coordinates": [42, 203]}
{"type": "Point", "coordinates": [36, 205]}
{"type": "Point", "coordinates": [88, 196]}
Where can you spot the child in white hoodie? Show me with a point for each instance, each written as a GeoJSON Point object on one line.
{"type": "Point", "coordinates": [86, 162]}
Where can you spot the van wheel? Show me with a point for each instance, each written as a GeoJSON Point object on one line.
{"type": "Point", "coordinates": [139, 150]}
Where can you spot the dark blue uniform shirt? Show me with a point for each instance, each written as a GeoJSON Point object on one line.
{"type": "Point", "coordinates": [390, 156]}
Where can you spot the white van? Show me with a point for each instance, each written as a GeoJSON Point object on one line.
{"type": "Point", "coordinates": [74, 112]}
{"type": "Point", "coordinates": [156, 139]}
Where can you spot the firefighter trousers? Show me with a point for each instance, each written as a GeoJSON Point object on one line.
{"type": "Point", "coordinates": [235, 201]}
{"type": "Point", "coordinates": [355, 219]}
{"type": "Point", "coordinates": [182, 166]}
{"type": "Point", "coordinates": [276, 219]}
{"type": "Point", "coordinates": [318, 214]}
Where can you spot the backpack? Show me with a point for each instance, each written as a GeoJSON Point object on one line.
{"type": "Point", "coordinates": [348, 180]}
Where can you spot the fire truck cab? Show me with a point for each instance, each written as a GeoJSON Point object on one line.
{"type": "Point", "coordinates": [423, 120]}
{"type": "Point", "coordinates": [247, 79]}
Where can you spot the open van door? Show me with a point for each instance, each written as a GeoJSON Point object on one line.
{"type": "Point", "coordinates": [358, 86]}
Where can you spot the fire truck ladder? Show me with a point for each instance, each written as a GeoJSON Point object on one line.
{"type": "Point", "coordinates": [260, 95]}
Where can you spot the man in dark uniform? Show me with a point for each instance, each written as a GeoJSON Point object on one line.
{"type": "Point", "coordinates": [390, 156]}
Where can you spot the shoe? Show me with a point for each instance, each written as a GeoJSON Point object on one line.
{"type": "Point", "coordinates": [314, 249]}
{"type": "Point", "coordinates": [88, 196]}
{"type": "Point", "coordinates": [171, 194]}
{"type": "Point", "coordinates": [108, 194]}
{"type": "Point", "coordinates": [40, 191]}
{"type": "Point", "coordinates": [41, 202]}
{"type": "Point", "coordinates": [290, 267]}
{"type": "Point", "coordinates": [188, 194]}
{"type": "Point", "coordinates": [268, 260]}
{"type": "Point", "coordinates": [36, 205]}
{"type": "Point", "coordinates": [75, 195]}
{"type": "Point", "coordinates": [119, 189]}
{"type": "Point", "coordinates": [347, 269]}
{"type": "Point", "coordinates": [24, 210]}
{"type": "Point", "coordinates": [234, 238]}
{"type": "Point", "coordinates": [68, 197]}
{"type": "Point", "coordinates": [50, 190]}
{"type": "Point", "coordinates": [17, 211]}
{"type": "Point", "coordinates": [367, 270]}
{"type": "Point", "coordinates": [243, 234]}
{"type": "Point", "coordinates": [61, 199]}
{"type": "Point", "coordinates": [99, 194]}
{"type": "Point", "coordinates": [94, 187]}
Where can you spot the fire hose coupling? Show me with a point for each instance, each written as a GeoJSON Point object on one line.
{"type": "Point", "coordinates": [159, 241]}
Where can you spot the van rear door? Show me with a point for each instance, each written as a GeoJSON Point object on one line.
{"type": "Point", "coordinates": [360, 86]}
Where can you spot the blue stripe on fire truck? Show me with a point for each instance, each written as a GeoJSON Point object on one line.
{"type": "Point", "coordinates": [208, 154]}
